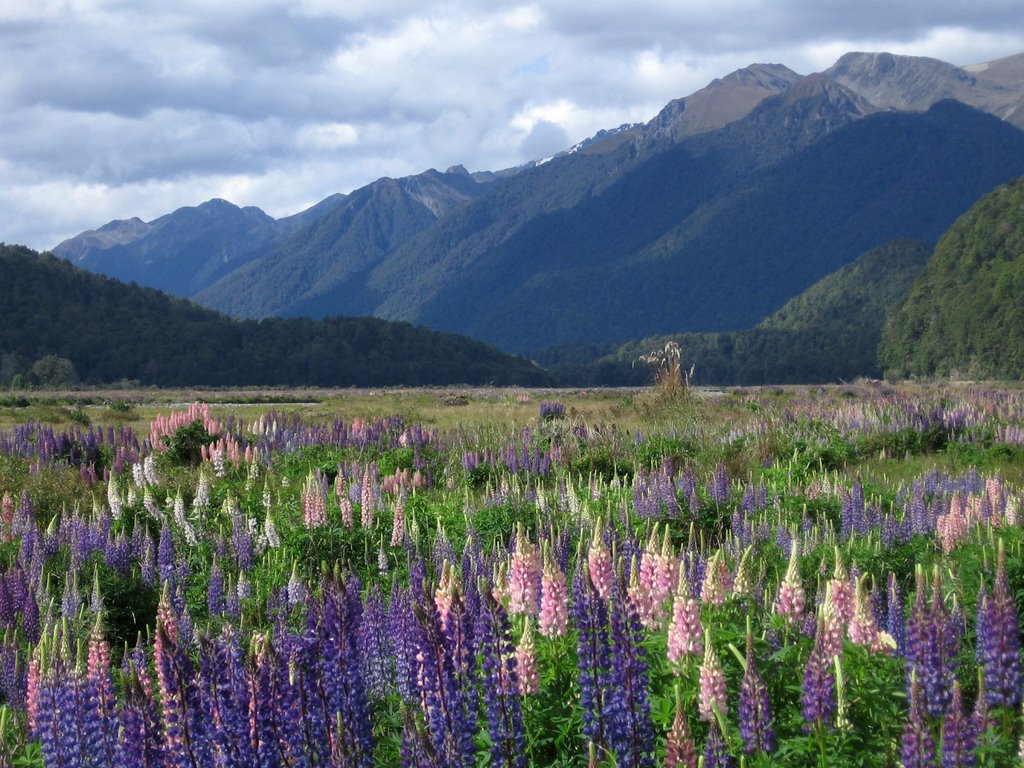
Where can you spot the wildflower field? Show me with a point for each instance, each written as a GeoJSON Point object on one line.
{"type": "Point", "coordinates": [801, 577]}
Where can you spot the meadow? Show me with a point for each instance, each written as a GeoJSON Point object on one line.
{"type": "Point", "coordinates": [817, 576]}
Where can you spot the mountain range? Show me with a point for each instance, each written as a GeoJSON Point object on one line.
{"type": "Point", "coordinates": [708, 218]}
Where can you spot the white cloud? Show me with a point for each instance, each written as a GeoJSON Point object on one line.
{"type": "Point", "coordinates": [116, 109]}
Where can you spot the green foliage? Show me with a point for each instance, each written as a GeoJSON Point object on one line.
{"type": "Point", "coordinates": [127, 332]}
{"type": "Point", "coordinates": [185, 446]}
{"type": "Point", "coordinates": [964, 315]}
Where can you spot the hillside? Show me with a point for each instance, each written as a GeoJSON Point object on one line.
{"type": "Point", "coordinates": [688, 241]}
{"type": "Point", "coordinates": [111, 331]}
{"type": "Point", "coordinates": [828, 333]}
{"type": "Point", "coordinates": [964, 315]}
{"type": "Point", "coordinates": [709, 217]}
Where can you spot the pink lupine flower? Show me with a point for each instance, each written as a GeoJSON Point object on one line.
{"type": "Point", "coordinates": [526, 662]}
{"type": "Point", "coordinates": [444, 595]}
{"type": "Point", "coordinates": [714, 589]}
{"type": "Point", "coordinates": [743, 583]}
{"type": "Point", "coordinates": [953, 527]}
{"type": "Point", "coordinates": [666, 569]}
{"type": "Point", "coordinates": [833, 627]}
{"type": "Point", "coordinates": [367, 500]}
{"type": "Point", "coordinates": [314, 505]}
{"type": "Point", "coordinates": [345, 505]}
{"type": "Point", "coordinates": [599, 564]}
{"type": "Point", "coordinates": [792, 598]}
{"type": "Point", "coordinates": [524, 576]}
{"type": "Point", "coordinates": [862, 628]}
{"type": "Point", "coordinates": [499, 583]}
{"type": "Point", "coordinates": [841, 591]}
{"type": "Point", "coordinates": [554, 599]}
{"type": "Point", "coordinates": [398, 520]}
{"type": "Point", "coordinates": [685, 633]}
{"type": "Point", "coordinates": [713, 694]}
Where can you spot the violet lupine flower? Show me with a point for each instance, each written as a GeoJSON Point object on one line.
{"type": "Point", "coordinates": [680, 749]}
{"type": "Point", "coordinates": [918, 744]}
{"type": "Point", "coordinates": [999, 638]}
{"type": "Point", "coordinates": [140, 735]}
{"type": "Point", "coordinates": [630, 730]}
{"type": "Point", "coordinates": [716, 751]}
{"type": "Point", "coordinates": [554, 599]}
{"type": "Point", "coordinates": [713, 699]}
{"type": "Point", "coordinates": [754, 710]}
{"type": "Point", "coordinates": [895, 623]}
{"type": "Point", "coordinates": [792, 599]}
{"type": "Point", "coordinates": [958, 735]}
{"type": "Point", "coordinates": [450, 722]}
{"type": "Point", "coordinates": [182, 714]}
{"type": "Point", "coordinates": [376, 649]}
{"type": "Point", "coordinates": [225, 694]}
{"type": "Point", "coordinates": [718, 488]}
{"type": "Point", "coordinates": [932, 646]}
{"type": "Point", "coordinates": [342, 675]}
{"type": "Point", "coordinates": [593, 651]}
{"type": "Point", "coordinates": [819, 687]}
{"type": "Point", "coordinates": [502, 704]}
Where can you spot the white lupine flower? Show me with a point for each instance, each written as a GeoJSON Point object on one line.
{"type": "Point", "coordinates": [149, 470]}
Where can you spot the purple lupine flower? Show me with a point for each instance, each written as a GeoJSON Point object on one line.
{"type": "Point", "coordinates": [502, 703]}
{"type": "Point", "coordinates": [716, 751]}
{"type": "Point", "coordinates": [376, 646]}
{"type": "Point", "coordinates": [593, 651]}
{"type": "Point", "coordinates": [918, 745]}
{"type": "Point", "coordinates": [895, 623]}
{"type": "Point", "coordinates": [631, 732]}
{"type": "Point", "coordinates": [165, 554]}
{"type": "Point", "coordinates": [405, 634]}
{"type": "Point", "coordinates": [225, 696]}
{"type": "Point", "coordinates": [1000, 641]}
{"type": "Point", "coordinates": [755, 710]}
{"type": "Point", "coordinates": [342, 674]}
{"type": "Point", "coordinates": [958, 735]}
{"type": "Point", "coordinates": [819, 687]}
{"type": "Point", "coordinates": [215, 590]}
{"type": "Point", "coordinates": [448, 718]}
{"type": "Point", "coordinates": [140, 739]}
{"type": "Point", "coordinates": [185, 731]}
{"type": "Point", "coordinates": [718, 488]}
{"type": "Point", "coordinates": [932, 646]}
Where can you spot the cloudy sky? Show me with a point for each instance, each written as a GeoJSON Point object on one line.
{"type": "Point", "coordinates": [118, 108]}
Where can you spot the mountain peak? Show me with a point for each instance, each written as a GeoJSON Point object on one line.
{"type": "Point", "coordinates": [723, 101]}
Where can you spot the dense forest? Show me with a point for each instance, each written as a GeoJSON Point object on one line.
{"type": "Point", "coordinates": [964, 315]}
{"type": "Point", "coordinates": [828, 333]}
{"type": "Point", "coordinates": [59, 322]}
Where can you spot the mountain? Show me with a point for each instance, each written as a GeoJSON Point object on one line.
{"type": "Point", "coordinates": [180, 252]}
{"type": "Point", "coordinates": [705, 235]}
{"type": "Point", "coordinates": [321, 268]}
{"type": "Point", "coordinates": [723, 101]}
{"type": "Point", "coordinates": [110, 331]}
{"type": "Point", "coordinates": [707, 218]}
{"type": "Point", "coordinates": [916, 83]}
{"type": "Point", "coordinates": [828, 333]}
{"type": "Point", "coordinates": [964, 315]}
